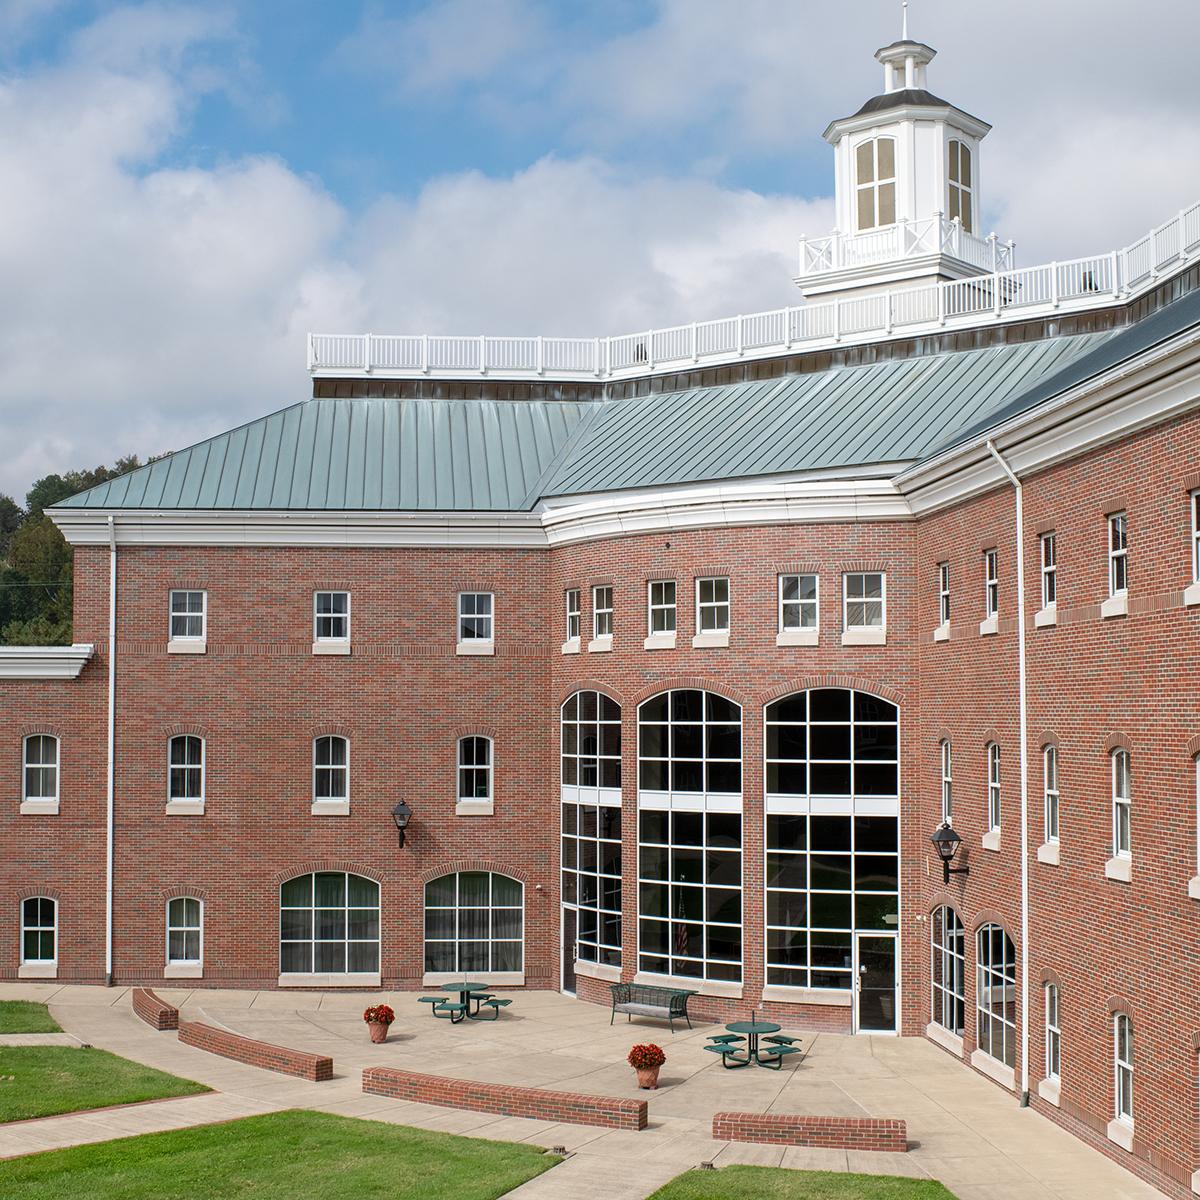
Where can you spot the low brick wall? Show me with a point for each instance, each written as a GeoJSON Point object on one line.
{"type": "Point", "coordinates": [836, 1133]}
{"type": "Point", "coordinates": [507, 1101]}
{"type": "Point", "coordinates": [155, 1011]}
{"type": "Point", "coordinates": [313, 1067]}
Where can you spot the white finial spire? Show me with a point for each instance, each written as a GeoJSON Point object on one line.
{"type": "Point", "coordinates": [904, 27]}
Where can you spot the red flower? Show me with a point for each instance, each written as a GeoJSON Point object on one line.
{"type": "Point", "coordinates": [381, 1013]}
{"type": "Point", "coordinates": [643, 1056]}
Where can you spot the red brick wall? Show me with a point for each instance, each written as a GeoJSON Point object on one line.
{"type": "Point", "coordinates": [154, 1010]}
{"type": "Point", "coordinates": [836, 1133]}
{"type": "Point", "coordinates": [316, 1068]}
{"type": "Point", "coordinates": [534, 1103]}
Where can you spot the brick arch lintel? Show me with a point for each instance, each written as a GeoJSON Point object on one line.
{"type": "Point", "coordinates": [588, 684]}
{"type": "Point", "coordinates": [992, 735]}
{"type": "Point", "coordinates": [1193, 746]}
{"type": "Point", "coordinates": [1118, 1005]}
{"type": "Point", "coordinates": [312, 866]}
{"type": "Point", "coordinates": [329, 729]}
{"type": "Point", "coordinates": [184, 889]}
{"type": "Point", "coordinates": [1047, 738]}
{"type": "Point", "coordinates": [465, 731]}
{"type": "Point", "coordinates": [50, 893]}
{"type": "Point", "coordinates": [1118, 741]}
{"type": "Point", "coordinates": [679, 683]}
{"type": "Point", "coordinates": [1048, 976]}
{"type": "Point", "coordinates": [808, 682]}
{"type": "Point", "coordinates": [41, 729]}
{"type": "Point", "coordinates": [989, 916]}
{"type": "Point", "coordinates": [473, 864]}
{"type": "Point", "coordinates": [184, 728]}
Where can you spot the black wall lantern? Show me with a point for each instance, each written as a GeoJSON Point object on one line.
{"type": "Point", "coordinates": [947, 842]}
{"type": "Point", "coordinates": [401, 814]}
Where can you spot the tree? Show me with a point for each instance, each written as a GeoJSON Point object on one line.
{"type": "Point", "coordinates": [11, 516]}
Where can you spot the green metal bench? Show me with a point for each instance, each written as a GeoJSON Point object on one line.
{"type": "Point", "coordinates": [649, 1000]}
{"type": "Point", "coordinates": [495, 1005]}
{"type": "Point", "coordinates": [434, 1002]}
{"type": "Point", "coordinates": [775, 1055]}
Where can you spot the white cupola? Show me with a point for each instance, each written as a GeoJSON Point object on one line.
{"type": "Point", "coordinates": [907, 195]}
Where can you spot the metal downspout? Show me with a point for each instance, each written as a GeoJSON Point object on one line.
{"type": "Point", "coordinates": [1024, 726]}
{"type": "Point", "coordinates": [112, 697]}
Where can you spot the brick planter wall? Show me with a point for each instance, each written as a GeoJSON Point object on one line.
{"type": "Point", "coordinates": [535, 1103]}
{"type": "Point", "coordinates": [155, 1011]}
{"type": "Point", "coordinates": [313, 1067]}
{"type": "Point", "coordinates": [837, 1133]}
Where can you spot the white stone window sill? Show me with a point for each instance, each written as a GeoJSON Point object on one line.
{"type": "Point", "coordinates": [991, 840]}
{"type": "Point", "coordinates": [185, 808]}
{"type": "Point", "coordinates": [873, 636]}
{"type": "Point", "coordinates": [187, 646]}
{"type": "Point", "coordinates": [1196, 1182]}
{"type": "Point", "coordinates": [183, 971]}
{"type": "Point", "coordinates": [833, 997]}
{"type": "Point", "coordinates": [331, 647]}
{"type": "Point", "coordinates": [365, 979]}
{"type": "Point", "coordinates": [489, 978]}
{"type": "Point", "coordinates": [713, 639]}
{"type": "Point", "coordinates": [1120, 867]}
{"type": "Point", "coordinates": [571, 646]}
{"type": "Point", "coordinates": [994, 1069]}
{"type": "Point", "coordinates": [702, 987]}
{"type": "Point", "coordinates": [38, 971]}
{"type": "Point", "coordinates": [940, 1034]}
{"type": "Point", "coordinates": [474, 808]}
{"type": "Point", "coordinates": [1191, 596]}
{"type": "Point", "coordinates": [598, 971]}
{"type": "Point", "coordinates": [330, 808]}
{"type": "Point", "coordinates": [600, 645]}
{"type": "Point", "coordinates": [1120, 1133]}
{"type": "Point", "coordinates": [1050, 1090]}
{"type": "Point", "coordinates": [659, 641]}
{"type": "Point", "coordinates": [989, 625]}
{"type": "Point", "coordinates": [1047, 852]}
{"type": "Point", "coordinates": [1194, 887]}
{"type": "Point", "coordinates": [942, 633]}
{"type": "Point", "coordinates": [1115, 606]}
{"type": "Point", "coordinates": [797, 637]}
{"type": "Point", "coordinates": [480, 647]}
{"type": "Point", "coordinates": [44, 808]}
{"type": "Point", "coordinates": [1045, 616]}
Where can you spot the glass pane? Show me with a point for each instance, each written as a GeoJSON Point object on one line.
{"type": "Point", "coordinates": [865, 163]}
{"type": "Point", "coordinates": [330, 889]}
{"type": "Point", "coordinates": [473, 889]}
{"type": "Point", "coordinates": [363, 956]}
{"type": "Point", "coordinates": [364, 893]}
{"type": "Point", "coordinates": [296, 958]}
{"type": "Point", "coordinates": [297, 892]}
{"type": "Point", "coordinates": [295, 924]}
{"type": "Point", "coordinates": [330, 957]}
{"type": "Point", "coordinates": [887, 158]}
{"type": "Point", "coordinates": [887, 204]}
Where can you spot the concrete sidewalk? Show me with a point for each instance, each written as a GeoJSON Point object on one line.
{"type": "Point", "coordinates": [964, 1131]}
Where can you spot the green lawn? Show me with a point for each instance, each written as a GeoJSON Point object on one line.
{"type": "Point", "coordinates": [37, 1081]}
{"type": "Point", "coordinates": [23, 1016]}
{"type": "Point", "coordinates": [279, 1156]}
{"type": "Point", "coordinates": [771, 1183]}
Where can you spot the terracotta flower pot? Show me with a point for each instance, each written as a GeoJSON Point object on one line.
{"type": "Point", "coordinates": [378, 1031]}
{"type": "Point", "coordinates": [648, 1077]}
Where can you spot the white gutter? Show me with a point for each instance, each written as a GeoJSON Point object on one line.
{"type": "Point", "coordinates": [112, 714]}
{"type": "Point", "coordinates": [1024, 727]}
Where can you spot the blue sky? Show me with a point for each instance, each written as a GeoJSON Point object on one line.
{"type": "Point", "coordinates": [191, 187]}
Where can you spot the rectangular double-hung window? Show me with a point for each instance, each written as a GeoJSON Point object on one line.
{"type": "Point", "coordinates": [475, 622]}
{"type": "Point", "coordinates": [947, 783]}
{"type": "Point", "coordinates": [660, 599]}
{"type": "Point", "coordinates": [712, 610]}
{"type": "Point", "coordinates": [1049, 551]}
{"type": "Point", "coordinates": [1123, 1063]}
{"type": "Point", "coordinates": [944, 593]}
{"type": "Point", "coordinates": [993, 790]}
{"type": "Point", "coordinates": [1196, 537]}
{"type": "Point", "coordinates": [798, 610]}
{"type": "Point", "coordinates": [602, 611]}
{"type": "Point", "coordinates": [573, 619]}
{"type": "Point", "coordinates": [991, 583]}
{"type": "Point", "coordinates": [1050, 786]}
{"type": "Point", "coordinates": [1118, 554]}
{"type": "Point", "coordinates": [1053, 1034]}
{"type": "Point", "coordinates": [1122, 799]}
{"type": "Point", "coordinates": [188, 621]}
{"type": "Point", "coordinates": [331, 622]}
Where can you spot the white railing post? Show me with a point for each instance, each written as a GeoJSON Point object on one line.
{"type": "Point", "coordinates": [837, 320]}
{"type": "Point", "coordinates": [596, 357]}
{"type": "Point", "coordinates": [310, 354]}
{"type": "Point", "coordinates": [787, 328]}
{"type": "Point", "coordinates": [1114, 263]}
{"type": "Point", "coordinates": [541, 356]}
{"type": "Point", "coordinates": [1054, 285]}
{"type": "Point", "coordinates": [887, 315]}
{"type": "Point", "coordinates": [941, 302]}
{"type": "Point", "coordinates": [992, 239]}
{"type": "Point", "coordinates": [741, 341]}
{"type": "Point", "coordinates": [695, 344]}
{"type": "Point", "coordinates": [995, 285]}
{"type": "Point", "coordinates": [424, 354]}
{"type": "Point", "coordinates": [650, 349]}
{"type": "Point", "coordinates": [367, 353]}
{"type": "Point", "coordinates": [482, 354]}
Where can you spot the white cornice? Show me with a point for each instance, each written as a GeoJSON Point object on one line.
{"type": "Point", "coordinates": [43, 662]}
{"type": "Point", "coordinates": [948, 113]}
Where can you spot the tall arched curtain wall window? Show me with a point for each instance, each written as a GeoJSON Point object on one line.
{"type": "Point", "coordinates": [948, 970]}
{"type": "Point", "coordinates": [832, 832]}
{"type": "Point", "coordinates": [996, 995]}
{"type": "Point", "coordinates": [875, 183]}
{"type": "Point", "coordinates": [590, 732]}
{"type": "Point", "coordinates": [329, 925]}
{"type": "Point", "coordinates": [474, 922]}
{"type": "Point", "coordinates": [690, 836]}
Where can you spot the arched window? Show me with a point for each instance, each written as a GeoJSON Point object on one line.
{"type": "Point", "coordinates": [39, 931]}
{"type": "Point", "coordinates": [949, 948]}
{"type": "Point", "coordinates": [1123, 1068]}
{"type": "Point", "coordinates": [591, 825]}
{"type": "Point", "coordinates": [41, 767]}
{"type": "Point", "coordinates": [1053, 1033]}
{"type": "Point", "coordinates": [1122, 804]}
{"type": "Point", "coordinates": [959, 173]}
{"type": "Point", "coordinates": [331, 770]}
{"type": "Point", "coordinates": [329, 925]}
{"type": "Point", "coordinates": [947, 782]}
{"type": "Point", "coordinates": [996, 994]}
{"type": "Point", "coordinates": [993, 786]}
{"type": "Point", "coordinates": [875, 182]}
{"type": "Point", "coordinates": [832, 832]}
{"type": "Point", "coordinates": [185, 931]}
{"type": "Point", "coordinates": [1050, 784]}
{"type": "Point", "coordinates": [474, 922]}
{"type": "Point", "coordinates": [690, 836]}
{"type": "Point", "coordinates": [474, 768]}
{"type": "Point", "coordinates": [185, 768]}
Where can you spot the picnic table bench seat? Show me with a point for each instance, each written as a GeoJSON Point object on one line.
{"type": "Point", "coordinates": [650, 1000]}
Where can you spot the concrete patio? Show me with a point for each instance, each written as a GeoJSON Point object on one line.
{"type": "Point", "coordinates": [962, 1130]}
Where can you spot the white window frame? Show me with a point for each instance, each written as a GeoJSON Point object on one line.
{"type": "Point", "coordinates": [602, 610]}
{"type": "Point", "coordinates": [948, 970]}
{"type": "Point", "coordinates": [472, 638]}
{"type": "Point", "coordinates": [943, 593]}
{"type": "Point", "coordinates": [661, 606]}
{"type": "Point", "coordinates": [331, 617]}
{"type": "Point", "coordinates": [874, 184]}
{"type": "Point", "coordinates": [27, 766]}
{"type": "Point", "coordinates": [1051, 1000]}
{"type": "Point", "coordinates": [574, 614]}
{"type": "Point", "coordinates": [459, 939]}
{"type": "Point", "coordinates": [965, 189]}
{"type": "Point", "coordinates": [1195, 503]}
{"type": "Point", "coordinates": [331, 803]}
{"type": "Point", "coordinates": [993, 787]}
{"type": "Point", "coordinates": [1118, 554]}
{"type": "Point", "coordinates": [1048, 548]}
{"type": "Point", "coordinates": [802, 604]}
{"type": "Point", "coordinates": [875, 632]}
{"type": "Point", "coordinates": [1050, 793]}
{"type": "Point", "coordinates": [991, 583]}
{"type": "Point", "coordinates": [1122, 1069]}
{"type": "Point", "coordinates": [177, 801]}
{"type": "Point", "coordinates": [198, 929]}
{"type": "Point", "coordinates": [994, 982]}
{"type": "Point", "coordinates": [187, 615]}
{"type": "Point", "coordinates": [39, 963]}
{"type": "Point", "coordinates": [470, 800]}
{"type": "Point", "coordinates": [313, 940]}
{"type": "Point", "coordinates": [713, 606]}
{"type": "Point", "coordinates": [1122, 804]}
{"type": "Point", "coordinates": [947, 764]}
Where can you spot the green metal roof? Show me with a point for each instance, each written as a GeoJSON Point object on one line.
{"type": "Point", "coordinates": [405, 455]}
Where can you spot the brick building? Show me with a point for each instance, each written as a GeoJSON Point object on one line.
{"type": "Point", "coordinates": [679, 647]}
